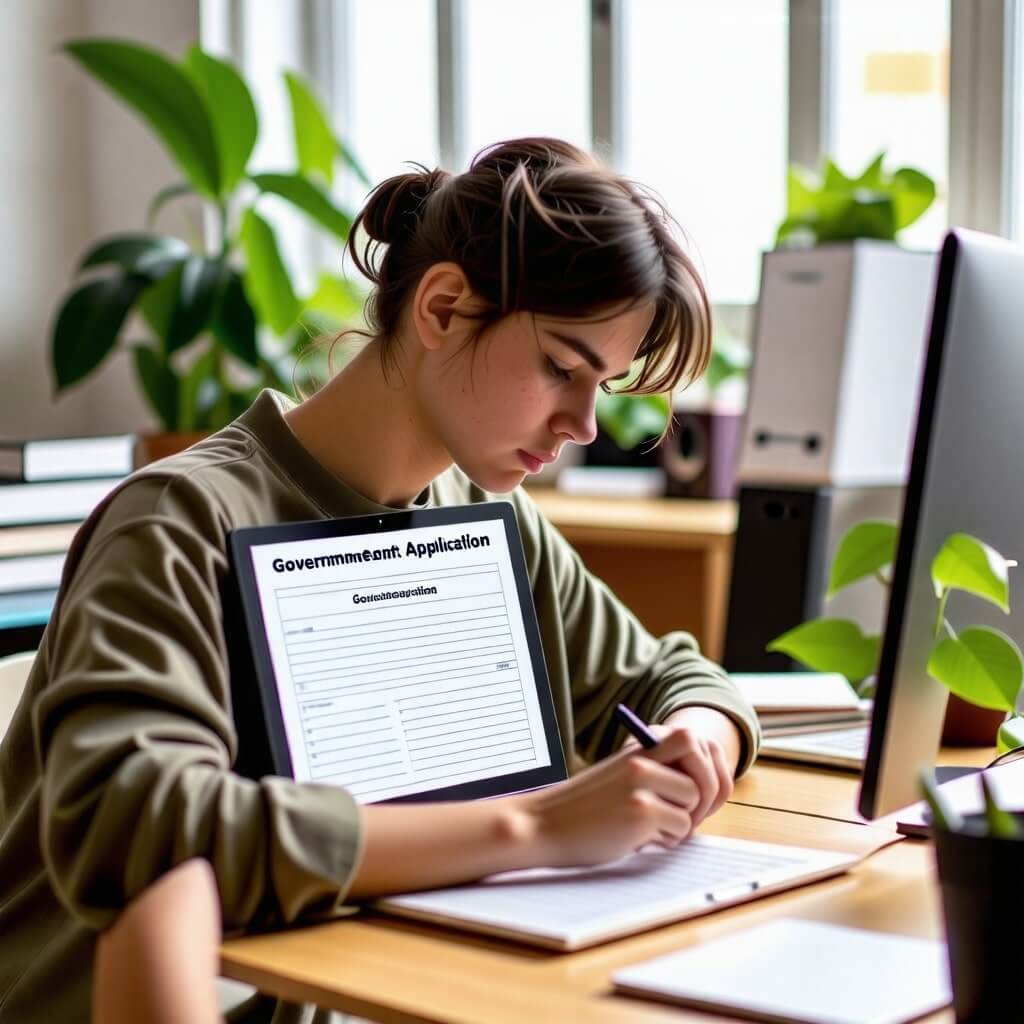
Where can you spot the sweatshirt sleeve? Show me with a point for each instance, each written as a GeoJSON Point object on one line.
{"type": "Point", "coordinates": [609, 657]}
{"type": "Point", "coordinates": [136, 743]}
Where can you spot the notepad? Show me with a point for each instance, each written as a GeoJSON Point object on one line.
{"type": "Point", "coordinates": [792, 971]}
{"type": "Point", "coordinates": [571, 908]}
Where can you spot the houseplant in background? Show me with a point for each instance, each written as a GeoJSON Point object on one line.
{"type": "Point", "coordinates": [832, 207]}
{"type": "Point", "coordinates": [221, 319]}
{"type": "Point", "coordinates": [698, 454]}
{"type": "Point", "coordinates": [980, 665]}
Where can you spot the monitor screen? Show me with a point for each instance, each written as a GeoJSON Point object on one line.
{"type": "Point", "coordinates": [965, 475]}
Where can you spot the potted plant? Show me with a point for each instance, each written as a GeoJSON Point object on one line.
{"type": "Point", "coordinates": [832, 207]}
{"type": "Point", "coordinates": [699, 453]}
{"type": "Point", "coordinates": [217, 320]}
{"type": "Point", "coordinates": [978, 858]}
{"type": "Point", "coordinates": [979, 665]}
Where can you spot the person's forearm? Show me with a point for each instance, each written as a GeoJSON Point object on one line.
{"type": "Point", "coordinates": [417, 846]}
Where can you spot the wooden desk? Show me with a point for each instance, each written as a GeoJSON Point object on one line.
{"type": "Point", "coordinates": [396, 971]}
{"type": "Point", "coordinates": [826, 792]}
{"type": "Point", "coordinates": [668, 559]}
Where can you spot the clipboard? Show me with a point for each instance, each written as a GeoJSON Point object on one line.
{"type": "Point", "coordinates": [399, 654]}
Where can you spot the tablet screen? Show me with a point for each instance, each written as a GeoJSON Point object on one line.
{"type": "Point", "coordinates": [400, 658]}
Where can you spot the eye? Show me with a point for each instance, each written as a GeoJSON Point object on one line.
{"type": "Point", "coordinates": [556, 371]}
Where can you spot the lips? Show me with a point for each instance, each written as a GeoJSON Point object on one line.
{"type": "Point", "coordinates": [531, 462]}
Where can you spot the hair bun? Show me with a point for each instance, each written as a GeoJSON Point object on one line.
{"type": "Point", "coordinates": [392, 210]}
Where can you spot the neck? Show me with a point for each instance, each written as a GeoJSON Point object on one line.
{"type": "Point", "coordinates": [370, 431]}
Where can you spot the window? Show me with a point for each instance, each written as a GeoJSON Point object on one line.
{"type": "Point", "coordinates": [391, 72]}
{"type": "Point", "coordinates": [527, 71]}
{"type": "Point", "coordinates": [1016, 120]}
{"type": "Point", "coordinates": [706, 126]}
{"type": "Point", "coordinates": [891, 91]}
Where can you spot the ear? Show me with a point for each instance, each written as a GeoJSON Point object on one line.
{"type": "Point", "coordinates": [442, 299]}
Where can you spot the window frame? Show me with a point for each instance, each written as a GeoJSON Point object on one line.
{"type": "Point", "coordinates": [984, 69]}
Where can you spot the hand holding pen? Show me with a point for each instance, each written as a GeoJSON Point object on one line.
{"type": "Point", "coordinates": [702, 759]}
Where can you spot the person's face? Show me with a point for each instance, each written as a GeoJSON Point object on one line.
{"type": "Point", "coordinates": [505, 406]}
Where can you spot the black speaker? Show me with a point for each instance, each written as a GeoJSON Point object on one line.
{"type": "Point", "coordinates": [778, 572]}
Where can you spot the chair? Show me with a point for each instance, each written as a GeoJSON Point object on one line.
{"type": "Point", "coordinates": [158, 962]}
{"type": "Point", "coordinates": [14, 670]}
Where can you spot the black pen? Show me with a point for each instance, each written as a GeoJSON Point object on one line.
{"type": "Point", "coordinates": [635, 726]}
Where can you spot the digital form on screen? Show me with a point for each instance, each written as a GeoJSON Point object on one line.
{"type": "Point", "coordinates": [400, 659]}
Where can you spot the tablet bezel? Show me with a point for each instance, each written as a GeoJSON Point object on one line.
{"type": "Point", "coordinates": [243, 540]}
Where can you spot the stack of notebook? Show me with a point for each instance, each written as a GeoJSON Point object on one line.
{"type": "Point", "coordinates": [47, 488]}
{"type": "Point", "coordinates": [788, 703]}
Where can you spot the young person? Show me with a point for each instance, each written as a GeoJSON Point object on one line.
{"type": "Point", "coordinates": [504, 298]}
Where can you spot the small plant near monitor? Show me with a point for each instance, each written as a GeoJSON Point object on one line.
{"type": "Point", "coordinates": [833, 207]}
{"type": "Point", "coordinates": [979, 664]}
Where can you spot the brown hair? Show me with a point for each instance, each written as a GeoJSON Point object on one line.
{"type": "Point", "coordinates": [537, 225]}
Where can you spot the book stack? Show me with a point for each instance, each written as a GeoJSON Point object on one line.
{"type": "Point", "coordinates": [788, 703]}
{"type": "Point", "coordinates": [47, 488]}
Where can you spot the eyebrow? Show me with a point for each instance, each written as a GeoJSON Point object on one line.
{"type": "Point", "coordinates": [581, 348]}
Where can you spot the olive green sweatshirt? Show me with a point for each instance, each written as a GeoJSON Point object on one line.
{"type": "Point", "coordinates": [122, 757]}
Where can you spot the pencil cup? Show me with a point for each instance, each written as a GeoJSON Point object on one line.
{"type": "Point", "coordinates": [983, 905]}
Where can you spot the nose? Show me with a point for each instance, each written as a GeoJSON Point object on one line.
{"type": "Point", "coordinates": [577, 422]}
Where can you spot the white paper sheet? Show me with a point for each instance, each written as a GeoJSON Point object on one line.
{"type": "Point", "coordinates": [402, 667]}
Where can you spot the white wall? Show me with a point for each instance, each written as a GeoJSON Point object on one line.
{"type": "Point", "coordinates": [74, 165]}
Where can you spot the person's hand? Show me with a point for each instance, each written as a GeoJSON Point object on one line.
{"type": "Point", "coordinates": [616, 806]}
{"type": "Point", "coordinates": [709, 744]}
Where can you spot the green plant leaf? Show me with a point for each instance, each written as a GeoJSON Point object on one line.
{"type": "Point", "coordinates": [869, 215]}
{"type": "Point", "coordinates": [631, 419]}
{"type": "Point", "coordinates": [198, 287]}
{"type": "Point", "coordinates": [232, 113]}
{"type": "Point", "coordinates": [800, 193]}
{"type": "Point", "coordinates": [164, 95]}
{"type": "Point", "coordinates": [798, 231]}
{"type": "Point", "coordinates": [944, 815]}
{"type": "Point", "coordinates": [336, 297]}
{"type": "Point", "coordinates": [309, 198]}
{"type": "Point", "coordinates": [159, 384]}
{"type": "Point", "coordinates": [349, 159]}
{"type": "Point", "coordinates": [1001, 824]}
{"type": "Point", "coordinates": [729, 358]}
{"type": "Point", "coordinates": [1011, 734]}
{"type": "Point", "coordinates": [200, 390]}
{"type": "Point", "coordinates": [315, 145]}
{"type": "Point", "coordinates": [833, 179]}
{"type": "Point", "coordinates": [136, 253]}
{"type": "Point", "coordinates": [981, 665]}
{"type": "Point", "coordinates": [913, 192]}
{"type": "Point", "coordinates": [830, 645]}
{"type": "Point", "coordinates": [274, 376]}
{"type": "Point", "coordinates": [234, 322]}
{"type": "Point", "coordinates": [267, 283]}
{"type": "Point", "coordinates": [966, 563]}
{"type": "Point", "coordinates": [165, 195]}
{"type": "Point", "coordinates": [863, 551]}
{"type": "Point", "coordinates": [88, 324]}
{"type": "Point", "coordinates": [159, 299]}
{"type": "Point", "coordinates": [872, 177]}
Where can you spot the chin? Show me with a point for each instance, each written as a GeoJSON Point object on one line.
{"type": "Point", "coordinates": [493, 479]}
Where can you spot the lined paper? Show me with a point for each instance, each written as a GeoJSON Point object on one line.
{"type": "Point", "coordinates": [573, 907]}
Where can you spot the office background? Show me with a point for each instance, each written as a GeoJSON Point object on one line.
{"type": "Point", "coordinates": [707, 102]}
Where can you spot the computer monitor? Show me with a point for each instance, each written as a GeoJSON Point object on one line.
{"type": "Point", "coordinates": [965, 475]}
